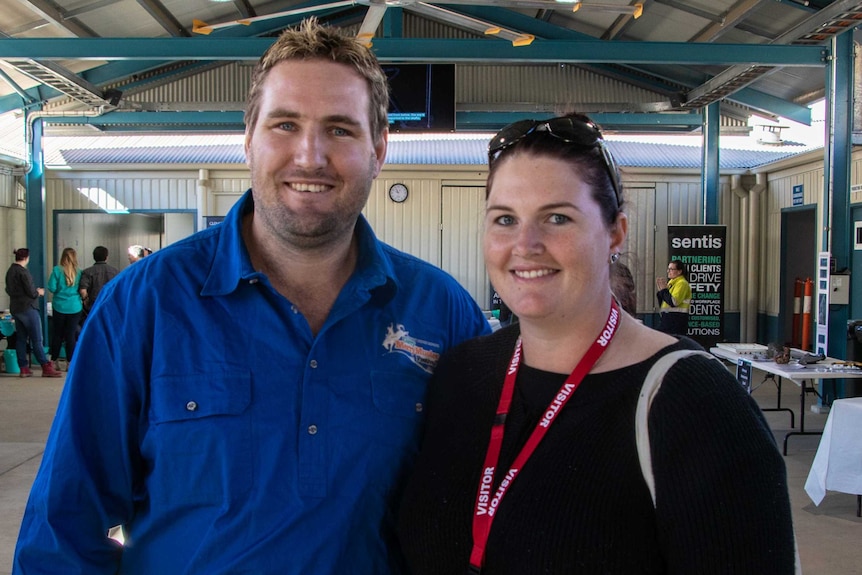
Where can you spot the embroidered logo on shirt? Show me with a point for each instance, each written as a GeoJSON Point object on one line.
{"type": "Point", "coordinates": [422, 353]}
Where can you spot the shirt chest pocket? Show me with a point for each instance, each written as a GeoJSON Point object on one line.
{"type": "Point", "coordinates": [200, 435]}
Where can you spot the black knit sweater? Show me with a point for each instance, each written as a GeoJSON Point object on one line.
{"type": "Point", "coordinates": [580, 504]}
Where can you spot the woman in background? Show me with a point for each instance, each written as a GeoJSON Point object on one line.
{"type": "Point", "coordinates": [529, 462]}
{"type": "Point", "coordinates": [674, 299]}
{"type": "Point", "coordinates": [623, 287]}
{"type": "Point", "coordinates": [66, 304]}
{"type": "Point", "coordinates": [24, 306]}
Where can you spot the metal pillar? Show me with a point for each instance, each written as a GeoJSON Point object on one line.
{"type": "Point", "coordinates": [709, 176]}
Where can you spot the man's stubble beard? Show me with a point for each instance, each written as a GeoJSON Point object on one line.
{"type": "Point", "coordinates": [310, 229]}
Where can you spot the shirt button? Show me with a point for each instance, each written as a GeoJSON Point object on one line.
{"type": "Point", "coordinates": [294, 309]}
{"type": "Point", "coordinates": [313, 364]}
{"type": "Point", "coordinates": [312, 430]}
{"type": "Point", "coordinates": [419, 408]}
{"type": "Point", "coordinates": [253, 281]}
{"type": "Point", "coordinates": [191, 406]}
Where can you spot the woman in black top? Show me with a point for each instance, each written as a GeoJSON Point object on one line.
{"type": "Point", "coordinates": [529, 462]}
{"type": "Point", "coordinates": [24, 306]}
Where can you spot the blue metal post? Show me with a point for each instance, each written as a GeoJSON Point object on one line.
{"type": "Point", "coordinates": [709, 175]}
{"type": "Point", "coordinates": [35, 212]}
{"type": "Point", "coordinates": [836, 183]}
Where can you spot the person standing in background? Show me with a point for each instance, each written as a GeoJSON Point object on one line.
{"type": "Point", "coordinates": [248, 400]}
{"type": "Point", "coordinates": [623, 286]}
{"type": "Point", "coordinates": [24, 306]}
{"type": "Point", "coordinates": [66, 304]}
{"type": "Point", "coordinates": [94, 278]}
{"type": "Point", "coordinates": [136, 253]}
{"type": "Point", "coordinates": [674, 298]}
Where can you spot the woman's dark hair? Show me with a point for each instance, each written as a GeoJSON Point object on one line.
{"type": "Point", "coordinates": [623, 287]}
{"type": "Point", "coordinates": [592, 161]}
{"type": "Point", "coordinates": [21, 254]}
{"type": "Point", "coordinates": [681, 267]}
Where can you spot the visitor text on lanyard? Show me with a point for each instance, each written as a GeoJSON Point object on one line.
{"type": "Point", "coordinates": [486, 502]}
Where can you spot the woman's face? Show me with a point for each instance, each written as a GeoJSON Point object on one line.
{"type": "Point", "coordinates": [546, 246]}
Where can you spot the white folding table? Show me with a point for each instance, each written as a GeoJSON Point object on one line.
{"type": "Point", "coordinates": [801, 375]}
{"type": "Point", "coordinates": [837, 465]}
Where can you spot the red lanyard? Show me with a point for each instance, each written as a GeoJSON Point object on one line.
{"type": "Point", "coordinates": [486, 502]}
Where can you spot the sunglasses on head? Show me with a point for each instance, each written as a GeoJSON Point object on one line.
{"type": "Point", "coordinates": [566, 129]}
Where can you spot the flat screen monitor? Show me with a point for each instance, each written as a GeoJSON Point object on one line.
{"type": "Point", "coordinates": [422, 97]}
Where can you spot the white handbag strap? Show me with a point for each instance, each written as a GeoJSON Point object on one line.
{"type": "Point", "coordinates": [649, 389]}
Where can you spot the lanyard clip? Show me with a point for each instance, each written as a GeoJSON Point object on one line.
{"type": "Point", "coordinates": [473, 570]}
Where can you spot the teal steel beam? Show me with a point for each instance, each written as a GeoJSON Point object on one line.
{"type": "Point", "coordinates": [223, 120]}
{"type": "Point", "coordinates": [492, 121]}
{"type": "Point", "coordinates": [422, 50]}
{"type": "Point", "coordinates": [773, 105]}
{"type": "Point", "coordinates": [710, 172]}
{"type": "Point", "coordinates": [466, 121]}
{"type": "Point", "coordinates": [393, 22]}
{"type": "Point", "coordinates": [530, 25]}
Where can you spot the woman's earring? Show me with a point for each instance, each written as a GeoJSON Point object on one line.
{"type": "Point", "coordinates": [615, 257]}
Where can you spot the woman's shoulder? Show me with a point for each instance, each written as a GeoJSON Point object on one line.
{"type": "Point", "coordinates": [634, 343]}
{"type": "Point", "coordinates": [485, 345]}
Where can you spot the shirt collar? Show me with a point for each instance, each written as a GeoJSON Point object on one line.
{"type": "Point", "coordinates": [231, 263]}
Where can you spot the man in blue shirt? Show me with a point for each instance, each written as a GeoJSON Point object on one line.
{"type": "Point", "coordinates": [247, 400]}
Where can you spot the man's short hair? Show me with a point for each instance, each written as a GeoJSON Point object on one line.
{"type": "Point", "coordinates": [100, 254]}
{"type": "Point", "coordinates": [309, 41]}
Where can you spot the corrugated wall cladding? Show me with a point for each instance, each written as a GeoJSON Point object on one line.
{"type": "Point", "coordinates": [13, 231]}
{"type": "Point", "coordinates": [550, 84]}
{"type": "Point", "coordinates": [413, 225]}
{"type": "Point", "coordinates": [9, 191]}
{"type": "Point", "coordinates": [168, 192]}
{"type": "Point", "coordinates": [474, 84]}
{"type": "Point", "coordinates": [639, 253]}
{"type": "Point", "coordinates": [228, 83]}
{"type": "Point", "coordinates": [419, 27]}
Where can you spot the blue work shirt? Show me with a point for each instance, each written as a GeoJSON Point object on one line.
{"type": "Point", "coordinates": [202, 415]}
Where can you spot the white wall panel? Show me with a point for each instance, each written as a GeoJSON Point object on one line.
{"type": "Point", "coordinates": [639, 253]}
{"type": "Point", "coordinates": [412, 226]}
{"type": "Point", "coordinates": [463, 217]}
{"type": "Point", "coordinates": [13, 235]}
{"type": "Point", "coordinates": [8, 190]}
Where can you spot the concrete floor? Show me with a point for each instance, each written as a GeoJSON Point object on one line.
{"type": "Point", "coordinates": [828, 535]}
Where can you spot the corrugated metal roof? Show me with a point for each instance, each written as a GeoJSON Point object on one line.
{"type": "Point", "coordinates": [217, 154]}
{"type": "Point", "coordinates": [652, 155]}
{"type": "Point", "coordinates": [448, 149]}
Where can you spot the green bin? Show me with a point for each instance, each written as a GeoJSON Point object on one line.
{"type": "Point", "coordinates": [10, 358]}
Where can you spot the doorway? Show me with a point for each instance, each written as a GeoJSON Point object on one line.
{"type": "Point", "coordinates": [798, 260]}
{"type": "Point", "coordinates": [86, 230]}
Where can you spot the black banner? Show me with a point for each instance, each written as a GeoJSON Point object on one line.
{"type": "Point", "coordinates": [702, 250]}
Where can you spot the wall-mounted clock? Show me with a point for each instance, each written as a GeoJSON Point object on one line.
{"type": "Point", "coordinates": [398, 193]}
